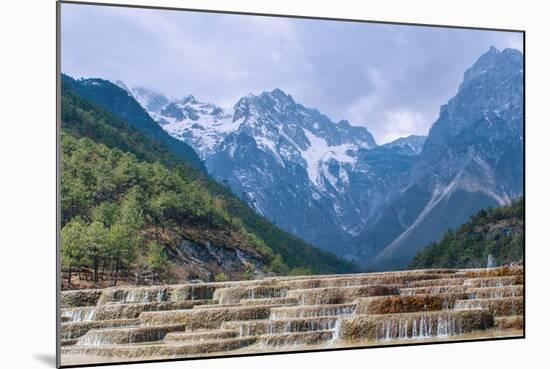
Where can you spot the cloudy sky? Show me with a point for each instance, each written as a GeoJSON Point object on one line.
{"type": "Point", "coordinates": [390, 78]}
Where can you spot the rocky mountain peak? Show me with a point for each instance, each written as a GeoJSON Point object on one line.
{"type": "Point", "coordinates": [472, 158]}
{"type": "Point", "coordinates": [494, 61]}
{"type": "Point", "coordinates": [150, 100]}
{"type": "Point", "coordinates": [410, 145]}
{"type": "Point", "coordinates": [279, 97]}
{"type": "Point", "coordinates": [188, 100]}
{"type": "Point", "coordinates": [279, 112]}
{"type": "Point", "coordinates": [491, 94]}
{"type": "Point", "coordinates": [275, 102]}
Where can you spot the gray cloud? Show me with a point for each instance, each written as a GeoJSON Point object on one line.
{"type": "Point", "coordinates": [389, 78]}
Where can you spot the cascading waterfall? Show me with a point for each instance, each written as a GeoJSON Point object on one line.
{"type": "Point", "coordinates": [136, 296]}
{"type": "Point", "coordinates": [468, 304]}
{"type": "Point", "coordinates": [448, 303]}
{"type": "Point", "coordinates": [161, 295]}
{"type": "Point", "coordinates": [268, 293]}
{"type": "Point", "coordinates": [421, 328]}
{"type": "Point", "coordinates": [287, 328]}
{"type": "Point", "coordinates": [393, 329]}
{"type": "Point", "coordinates": [307, 312]}
{"type": "Point", "coordinates": [308, 326]}
{"type": "Point", "coordinates": [299, 339]}
{"type": "Point", "coordinates": [94, 339]}
{"type": "Point", "coordinates": [125, 336]}
{"type": "Point", "coordinates": [324, 325]}
{"type": "Point", "coordinates": [246, 329]}
{"type": "Point", "coordinates": [270, 328]}
{"type": "Point", "coordinates": [496, 292]}
{"type": "Point", "coordinates": [335, 332]}
{"type": "Point", "coordinates": [446, 327]}
{"type": "Point", "coordinates": [80, 314]}
{"type": "Point", "coordinates": [418, 328]}
{"type": "Point", "coordinates": [144, 296]}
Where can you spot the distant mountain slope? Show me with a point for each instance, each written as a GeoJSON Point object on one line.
{"type": "Point", "coordinates": [496, 231]}
{"type": "Point", "coordinates": [82, 118]}
{"type": "Point", "coordinates": [119, 101]}
{"type": "Point", "coordinates": [471, 159]}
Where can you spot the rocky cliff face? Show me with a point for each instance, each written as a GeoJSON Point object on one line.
{"type": "Point", "coordinates": [472, 158]}
{"type": "Point", "coordinates": [330, 184]}
{"type": "Point", "coordinates": [293, 165]}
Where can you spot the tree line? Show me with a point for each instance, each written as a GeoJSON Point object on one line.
{"type": "Point", "coordinates": [497, 231]}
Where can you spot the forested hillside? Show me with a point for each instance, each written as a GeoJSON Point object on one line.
{"type": "Point", "coordinates": [130, 205]}
{"type": "Point", "coordinates": [117, 209]}
{"type": "Point", "coordinates": [498, 232]}
{"type": "Point", "coordinates": [121, 104]}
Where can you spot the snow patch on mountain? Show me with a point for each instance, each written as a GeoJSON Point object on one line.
{"type": "Point", "coordinates": [149, 100]}
{"type": "Point", "coordinates": [202, 125]}
{"type": "Point", "coordinates": [319, 153]}
{"type": "Point", "coordinates": [269, 146]}
{"type": "Point", "coordinates": [205, 132]}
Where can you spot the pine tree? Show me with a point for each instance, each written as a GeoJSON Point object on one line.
{"type": "Point", "coordinates": [73, 245]}
{"type": "Point", "coordinates": [96, 244]}
{"type": "Point", "coordinates": [156, 259]}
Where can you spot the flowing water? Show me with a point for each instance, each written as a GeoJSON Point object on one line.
{"type": "Point", "coordinates": [290, 313]}
{"type": "Point", "coordinates": [80, 314]}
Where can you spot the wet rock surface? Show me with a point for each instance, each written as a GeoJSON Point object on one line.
{"type": "Point", "coordinates": [289, 314]}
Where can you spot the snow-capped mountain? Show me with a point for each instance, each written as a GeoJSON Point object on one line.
{"type": "Point", "coordinates": [330, 184]}
{"type": "Point", "coordinates": [293, 165]}
{"type": "Point", "coordinates": [288, 130]}
{"type": "Point", "coordinates": [294, 134]}
{"type": "Point", "coordinates": [201, 125]}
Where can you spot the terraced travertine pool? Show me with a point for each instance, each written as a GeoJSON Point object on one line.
{"type": "Point", "coordinates": [290, 314]}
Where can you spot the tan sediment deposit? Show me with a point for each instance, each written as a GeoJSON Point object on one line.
{"type": "Point", "coordinates": [289, 313]}
{"type": "Point", "coordinates": [414, 325]}
{"type": "Point", "coordinates": [331, 295]}
{"type": "Point", "coordinates": [406, 304]}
